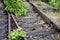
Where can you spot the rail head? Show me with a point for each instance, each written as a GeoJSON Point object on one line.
{"type": "Point", "coordinates": [11, 21]}
{"type": "Point", "coordinates": [14, 20]}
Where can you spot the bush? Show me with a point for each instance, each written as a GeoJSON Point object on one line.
{"type": "Point", "coordinates": [15, 6]}
{"type": "Point", "coordinates": [17, 34]}
{"type": "Point", "coordinates": [55, 3]}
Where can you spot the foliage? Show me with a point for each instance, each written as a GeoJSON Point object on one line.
{"type": "Point", "coordinates": [17, 34]}
{"type": "Point", "coordinates": [55, 3]}
{"type": "Point", "coordinates": [38, 2]}
{"type": "Point", "coordinates": [45, 1]}
{"type": "Point", "coordinates": [15, 6]}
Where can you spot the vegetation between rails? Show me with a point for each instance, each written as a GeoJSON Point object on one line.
{"type": "Point", "coordinates": [17, 34]}
{"type": "Point", "coordinates": [18, 7]}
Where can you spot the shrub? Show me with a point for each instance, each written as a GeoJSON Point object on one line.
{"type": "Point", "coordinates": [55, 3]}
{"type": "Point", "coordinates": [17, 34]}
{"type": "Point", "coordinates": [15, 6]}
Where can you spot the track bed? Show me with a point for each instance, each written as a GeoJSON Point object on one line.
{"type": "Point", "coordinates": [51, 13]}
{"type": "Point", "coordinates": [35, 27]}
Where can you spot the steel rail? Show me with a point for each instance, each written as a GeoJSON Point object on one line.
{"type": "Point", "coordinates": [45, 17]}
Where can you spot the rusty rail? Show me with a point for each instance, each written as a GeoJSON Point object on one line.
{"type": "Point", "coordinates": [12, 24]}
{"type": "Point", "coordinates": [45, 17]}
{"type": "Point", "coordinates": [12, 16]}
{"type": "Point", "coordinates": [9, 24]}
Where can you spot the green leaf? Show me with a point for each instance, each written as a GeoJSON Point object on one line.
{"type": "Point", "coordinates": [15, 6]}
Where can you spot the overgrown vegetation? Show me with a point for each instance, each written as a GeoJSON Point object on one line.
{"type": "Point", "coordinates": [16, 6]}
{"type": "Point", "coordinates": [17, 34]}
{"type": "Point", "coordinates": [38, 2]}
{"type": "Point", "coordinates": [55, 3]}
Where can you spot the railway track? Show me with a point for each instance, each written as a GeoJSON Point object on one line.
{"type": "Point", "coordinates": [7, 23]}
{"type": "Point", "coordinates": [37, 27]}
{"type": "Point", "coordinates": [46, 17]}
